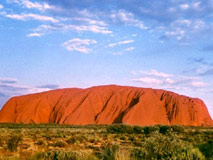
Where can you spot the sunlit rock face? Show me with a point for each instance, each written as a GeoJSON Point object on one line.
{"type": "Point", "coordinates": [107, 105]}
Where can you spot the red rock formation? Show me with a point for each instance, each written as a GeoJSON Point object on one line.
{"type": "Point", "coordinates": [106, 105]}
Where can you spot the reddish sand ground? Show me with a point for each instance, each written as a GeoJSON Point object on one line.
{"type": "Point", "coordinates": [107, 105]}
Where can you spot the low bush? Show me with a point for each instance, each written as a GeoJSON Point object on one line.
{"type": "Point", "coordinates": [179, 129]}
{"type": "Point", "coordinates": [71, 140]}
{"type": "Point", "coordinates": [138, 154]}
{"type": "Point", "coordinates": [40, 142]}
{"type": "Point", "coordinates": [1, 142]}
{"type": "Point", "coordinates": [108, 152]}
{"type": "Point", "coordinates": [122, 137]}
{"type": "Point", "coordinates": [12, 143]}
{"type": "Point", "coordinates": [138, 130]}
{"type": "Point", "coordinates": [163, 129]}
{"type": "Point", "coordinates": [159, 146]}
{"type": "Point", "coordinates": [74, 139]}
{"type": "Point", "coordinates": [63, 155]}
{"type": "Point", "coordinates": [150, 129]}
{"type": "Point", "coordinates": [207, 149]}
{"type": "Point", "coordinates": [60, 144]}
{"type": "Point", "coordinates": [191, 154]}
{"type": "Point", "coordinates": [131, 138]}
{"type": "Point", "coordinates": [118, 129]}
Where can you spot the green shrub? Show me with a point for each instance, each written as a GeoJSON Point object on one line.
{"type": "Point", "coordinates": [92, 140]}
{"type": "Point", "coordinates": [194, 154]}
{"type": "Point", "coordinates": [59, 135]}
{"type": "Point", "coordinates": [80, 138]}
{"type": "Point", "coordinates": [163, 129]}
{"type": "Point", "coordinates": [55, 155]}
{"type": "Point", "coordinates": [48, 137]}
{"type": "Point", "coordinates": [1, 142]}
{"type": "Point", "coordinates": [63, 155]}
{"type": "Point", "coordinates": [179, 129]}
{"type": "Point", "coordinates": [122, 137]}
{"type": "Point", "coordinates": [131, 138]}
{"type": "Point", "coordinates": [71, 140]}
{"type": "Point", "coordinates": [207, 149]}
{"type": "Point", "coordinates": [12, 143]}
{"type": "Point", "coordinates": [137, 130]}
{"type": "Point", "coordinates": [40, 142]}
{"type": "Point", "coordinates": [159, 146]}
{"type": "Point", "coordinates": [137, 143]}
{"type": "Point", "coordinates": [108, 152]}
{"type": "Point", "coordinates": [74, 139]}
{"type": "Point", "coordinates": [150, 129]}
{"type": "Point", "coordinates": [137, 154]}
{"type": "Point", "coordinates": [118, 129]}
{"type": "Point", "coordinates": [60, 144]}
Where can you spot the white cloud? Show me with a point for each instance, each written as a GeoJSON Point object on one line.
{"type": "Point", "coordinates": [33, 5]}
{"type": "Point", "coordinates": [185, 22]}
{"type": "Point", "coordinates": [163, 80]}
{"type": "Point", "coordinates": [129, 49]}
{"type": "Point", "coordinates": [196, 5]}
{"type": "Point", "coordinates": [184, 6]}
{"type": "Point", "coordinates": [88, 13]}
{"type": "Point", "coordinates": [198, 84]}
{"type": "Point", "coordinates": [34, 35]}
{"type": "Point", "coordinates": [117, 53]}
{"type": "Point", "coordinates": [156, 73]}
{"type": "Point", "coordinates": [121, 42]}
{"type": "Point", "coordinates": [90, 21]}
{"type": "Point", "coordinates": [125, 50]}
{"type": "Point", "coordinates": [148, 80]}
{"type": "Point", "coordinates": [45, 28]}
{"type": "Point", "coordinates": [31, 16]}
{"type": "Point", "coordinates": [186, 29]}
{"type": "Point", "coordinates": [127, 18]}
{"type": "Point", "coordinates": [200, 25]}
{"type": "Point", "coordinates": [78, 28]}
{"type": "Point", "coordinates": [1, 6]}
{"type": "Point", "coordinates": [92, 28]}
{"type": "Point", "coordinates": [178, 33]}
{"type": "Point", "coordinates": [36, 5]}
{"type": "Point", "coordinates": [79, 45]}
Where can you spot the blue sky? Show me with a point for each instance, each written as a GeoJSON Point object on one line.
{"type": "Point", "coordinates": [50, 44]}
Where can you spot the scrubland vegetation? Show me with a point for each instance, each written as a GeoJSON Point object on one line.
{"type": "Point", "coordinates": [113, 142]}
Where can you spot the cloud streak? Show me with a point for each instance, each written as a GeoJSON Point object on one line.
{"type": "Point", "coordinates": [8, 80]}
{"type": "Point", "coordinates": [34, 35]}
{"type": "Point", "coordinates": [33, 5]}
{"type": "Point", "coordinates": [42, 29]}
{"type": "Point", "coordinates": [121, 42]}
{"type": "Point", "coordinates": [79, 45]}
{"type": "Point", "coordinates": [30, 16]}
{"type": "Point", "coordinates": [49, 86]}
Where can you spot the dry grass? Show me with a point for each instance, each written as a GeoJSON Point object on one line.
{"type": "Point", "coordinates": [92, 142]}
